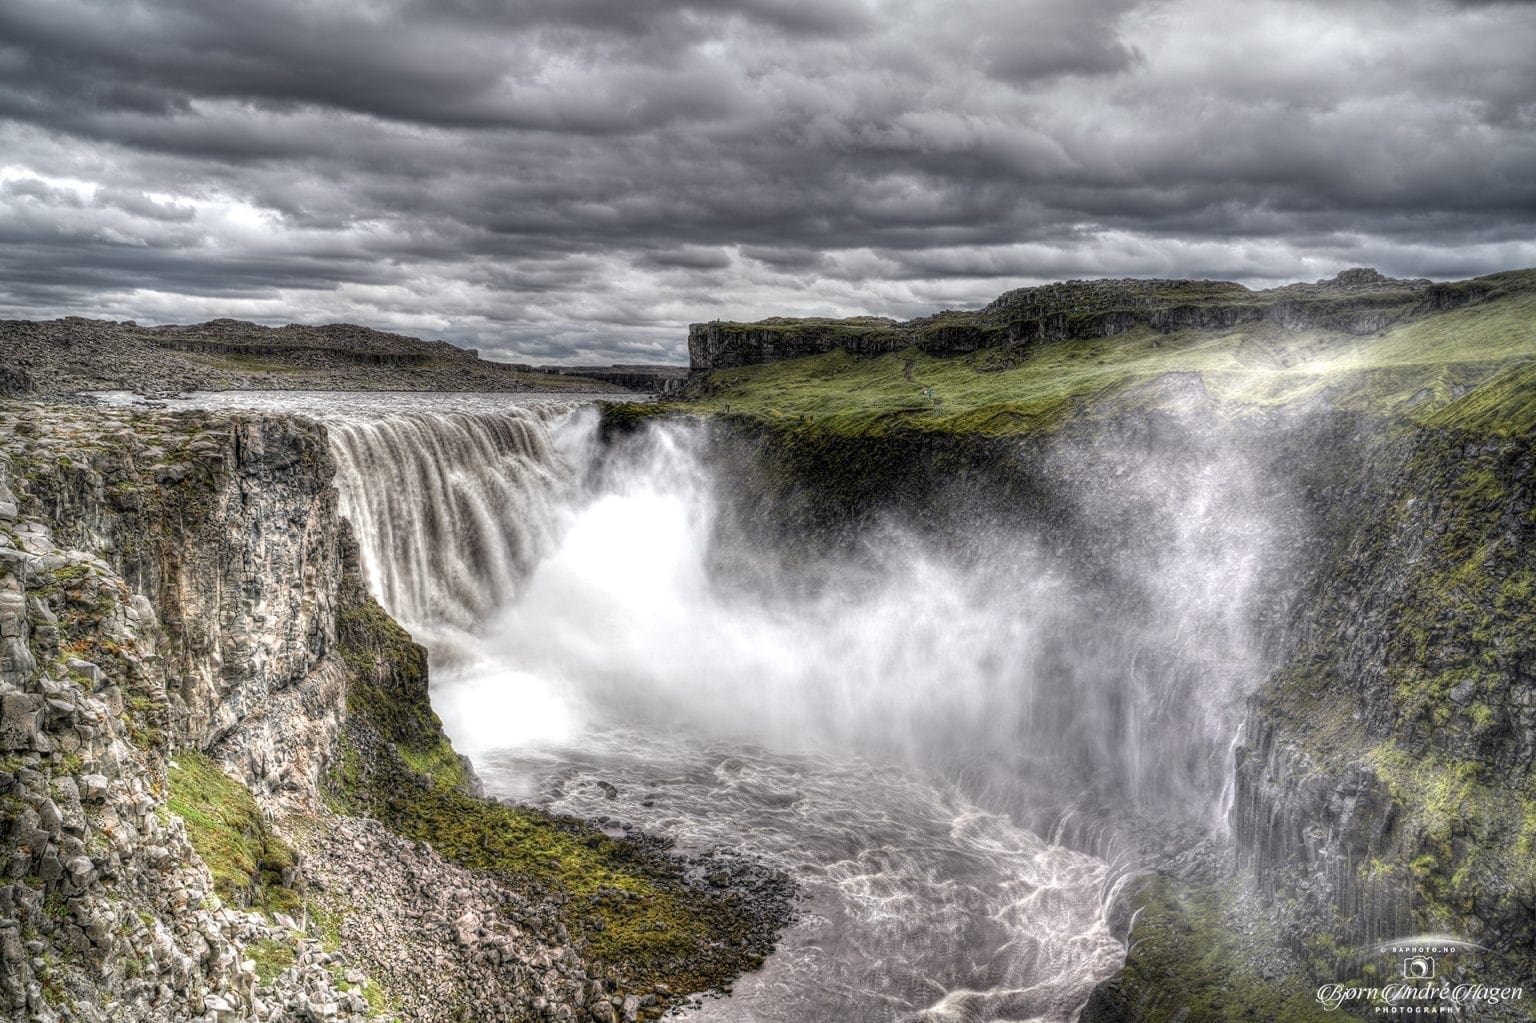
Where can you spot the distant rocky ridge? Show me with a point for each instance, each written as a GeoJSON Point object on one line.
{"type": "Point", "coordinates": [1356, 301]}
{"type": "Point", "coordinates": [52, 358]}
{"type": "Point", "coordinates": [639, 377]}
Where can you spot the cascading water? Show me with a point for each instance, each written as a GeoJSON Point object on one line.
{"type": "Point", "coordinates": [877, 727]}
{"type": "Point", "coordinates": [451, 508]}
{"type": "Point", "coordinates": [874, 728]}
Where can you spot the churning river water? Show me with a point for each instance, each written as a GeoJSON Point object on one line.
{"type": "Point", "coordinates": [592, 655]}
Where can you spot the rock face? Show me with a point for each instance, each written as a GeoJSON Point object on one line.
{"type": "Point", "coordinates": [108, 913]}
{"type": "Point", "coordinates": [182, 631]}
{"type": "Point", "coordinates": [1383, 781]}
{"type": "Point", "coordinates": [653, 379]}
{"type": "Point", "coordinates": [1384, 787]}
{"type": "Point", "coordinates": [1357, 301]}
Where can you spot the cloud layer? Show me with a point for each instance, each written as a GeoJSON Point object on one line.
{"type": "Point", "coordinates": [582, 179]}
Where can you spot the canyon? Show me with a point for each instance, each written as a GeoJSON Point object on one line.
{"type": "Point", "coordinates": [1193, 624]}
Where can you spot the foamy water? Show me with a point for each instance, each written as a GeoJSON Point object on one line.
{"type": "Point", "coordinates": [876, 728]}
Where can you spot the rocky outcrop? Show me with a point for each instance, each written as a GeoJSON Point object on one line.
{"type": "Point", "coordinates": [1382, 785]}
{"type": "Point", "coordinates": [189, 672]}
{"type": "Point", "coordinates": [722, 345]}
{"type": "Point", "coordinates": [229, 530]}
{"type": "Point", "coordinates": [107, 910]}
{"type": "Point", "coordinates": [1385, 785]}
{"type": "Point", "coordinates": [14, 381]}
{"type": "Point", "coordinates": [1358, 301]}
{"type": "Point", "coordinates": [648, 379]}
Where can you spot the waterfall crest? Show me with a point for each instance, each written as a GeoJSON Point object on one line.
{"type": "Point", "coordinates": [451, 508]}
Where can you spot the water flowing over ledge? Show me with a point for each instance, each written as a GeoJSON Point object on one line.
{"type": "Point", "coordinates": [602, 646]}
{"type": "Point", "coordinates": [452, 509]}
{"type": "Point", "coordinates": [614, 635]}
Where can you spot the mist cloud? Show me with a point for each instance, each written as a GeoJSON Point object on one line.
{"type": "Point", "coordinates": [550, 181]}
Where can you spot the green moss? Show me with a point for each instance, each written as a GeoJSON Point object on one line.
{"type": "Point", "coordinates": [632, 908]}
{"type": "Point", "coordinates": [1502, 406]}
{"type": "Point", "coordinates": [55, 907]}
{"type": "Point", "coordinates": [327, 920]}
{"type": "Point", "coordinates": [73, 572]}
{"type": "Point", "coordinates": [374, 995]}
{"type": "Point", "coordinates": [248, 861]}
{"type": "Point", "coordinates": [146, 715]}
{"type": "Point", "coordinates": [1195, 956]}
{"type": "Point", "coordinates": [620, 418]}
{"type": "Point", "coordinates": [1464, 621]}
{"type": "Point", "coordinates": [388, 672]}
{"type": "Point", "coordinates": [271, 957]}
{"type": "Point", "coordinates": [1461, 835]}
{"type": "Point", "coordinates": [1471, 368]}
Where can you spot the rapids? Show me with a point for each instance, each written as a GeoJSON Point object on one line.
{"type": "Point", "coordinates": [885, 729]}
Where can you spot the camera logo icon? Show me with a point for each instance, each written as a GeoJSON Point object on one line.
{"type": "Point", "coordinates": [1418, 968]}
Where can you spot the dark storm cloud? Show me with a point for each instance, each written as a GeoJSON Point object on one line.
{"type": "Point", "coordinates": [541, 179]}
{"type": "Point", "coordinates": [689, 257]}
{"type": "Point", "coordinates": [1032, 41]}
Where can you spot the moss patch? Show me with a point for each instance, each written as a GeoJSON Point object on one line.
{"type": "Point", "coordinates": [1420, 369]}
{"type": "Point", "coordinates": [619, 418]}
{"type": "Point", "coordinates": [632, 908]}
{"type": "Point", "coordinates": [1462, 840]}
{"type": "Point", "coordinates": [1196, 956]}
{"type": "Point", "coordinates": [251, 866]}
{"type": "Point", "coordinates": [388, 690]}
{"type": "Point", "coordinates": [271, 957]}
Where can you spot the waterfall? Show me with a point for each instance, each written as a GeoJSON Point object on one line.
{"type": "Point", "coordinates": [451, 509]}
{"type": "Point", "coordinates": [1102, 658]}
{"type": "Point", "coordinates": [943, 728]}
{"type": "Point", "coordinates": [880, 724]}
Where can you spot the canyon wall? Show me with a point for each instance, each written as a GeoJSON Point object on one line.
{"type": "Point", "coordinates": [1381, 783]}
{"type": "Point", "coordinates": [1359, 301]}
{"type": "Point", "coordinates": [205, 719]}
{"type": "Point", "coordinates": [1384, 785]}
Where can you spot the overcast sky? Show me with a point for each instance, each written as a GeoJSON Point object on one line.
{"type": "Point", "coordinates": [563, 179]}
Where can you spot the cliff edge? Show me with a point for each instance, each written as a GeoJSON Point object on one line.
{"type": "Point", "coordinates": [226, 795]}
{"type": "Point", "coordinates": [1356, 301]}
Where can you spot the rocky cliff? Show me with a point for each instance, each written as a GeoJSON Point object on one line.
{"type": "Point", "coordinates": [1358, 301]}
{"type": "Point", "coordinates": [226, 795]}
{"type": "Point", "coordinates": [647, 378]}
{"type": "Point", "coordinates": [1382, 783]}
{"type": "Point", "coordinates": [1385, 783]}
